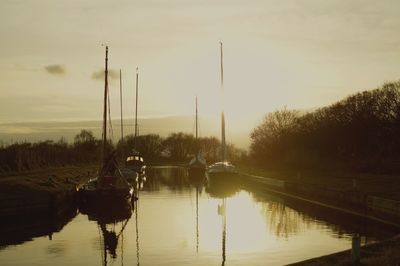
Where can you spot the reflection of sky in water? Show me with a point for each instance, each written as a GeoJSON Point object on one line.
{"type": "Point", "coordinates": [258, 232]}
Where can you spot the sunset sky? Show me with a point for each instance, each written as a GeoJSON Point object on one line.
{"type": "Point", "coordinates": [300, 54]}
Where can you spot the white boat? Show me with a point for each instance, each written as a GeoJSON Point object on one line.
{"type": "Point", "coordinates": [223, 180]}
{"type": "Point", "coordinates": [198, 165]}
{"type": "Point", "coordinates": [222, 167]}
{"type": "Point", "coordinates": [223, 170]}
{"type": "Point", "coordinates": [110, 185]}
{"type": "Point", "coordinates": [135, 161]}
{"type": "Point", "coordinates": [131, 175]}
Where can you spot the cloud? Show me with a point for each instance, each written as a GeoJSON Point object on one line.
{"type": "Point", "coordinates": [99, 75]}
{"type": "Point", "coordinates": [55, 69]}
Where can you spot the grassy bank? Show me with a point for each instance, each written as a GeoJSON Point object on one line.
{"type": "Point", "coordinates": [41, 191]}
{"type": "Point", "coordinates": [46, 180]}
{"type": "Point", "coordinates": [385, 186]}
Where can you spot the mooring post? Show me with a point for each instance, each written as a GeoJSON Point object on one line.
{"type": "Point", "coordinates": [355, 249]}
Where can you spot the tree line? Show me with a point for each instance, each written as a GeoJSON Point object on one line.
{"type": "Point", "coordinates": [358, 133]}
{"type": "Point", "coordinates": [86, 149]}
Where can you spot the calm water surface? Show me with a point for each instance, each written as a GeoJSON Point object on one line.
{"type": "Point", "coordinates": [178, 222]}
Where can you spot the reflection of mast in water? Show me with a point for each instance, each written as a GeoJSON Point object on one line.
{"type": "Point", "coordinates": [138, 188]}
{"type": "Point", "coordinates": [122, 249]}
{"type": "Point", "coordinates": [197, 219]}
{"type": "Point", "coordinates": [141, 179]}
{"type": "Point", "coordinates": [137, 230]}
{"type": "Point", "coordinates": [109, 215]}
{"type": "Point", "coordinates": [222, 212]}
{"type": "Point", "coordinates": [197, 180]}
{"type": "Point", "coordinates": [110, 240]}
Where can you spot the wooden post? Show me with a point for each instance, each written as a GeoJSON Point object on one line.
{"type": "Point", "coordinates": [355, 249]}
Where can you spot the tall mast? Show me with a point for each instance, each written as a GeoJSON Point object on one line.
{"type": "Point", "coordinates": [122, 126]}
{"type": "Point", "coordinates": [105, 108]}
{"type": "Point", "coordinates": [136, 108]}
{"type": "Point", "coordinates": [222, 112]}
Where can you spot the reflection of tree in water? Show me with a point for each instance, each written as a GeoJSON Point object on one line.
{"type": "Point", "coordinates": [292, 217]}
{"type": "Point", "coordinates": [282, 220]}
{"type": "Point", "coordinates": [175, 178]}
{"type": "Point", "coordinates": [152, 183]}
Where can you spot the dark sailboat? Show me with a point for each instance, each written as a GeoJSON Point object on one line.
{"type": "Point", "coordinates": [110, 186]}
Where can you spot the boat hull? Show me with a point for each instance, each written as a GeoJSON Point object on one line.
{"type": "Point", "coordinates": [106, 205]}
{"type": "Point", "coordinates": [105, 195]}
{"type": "Point", "coordinates": [114, 193]}
{"type": "Point", "coordinates": [141, 170]}
{"type": "Point", "coordinates": [106, 210]}
{"type": "Point", "coordinates": [222, 171]}
{"type": "Point", "coordinates": [197, 176]}
{"type": "Point", "coordinates": [196, 172]}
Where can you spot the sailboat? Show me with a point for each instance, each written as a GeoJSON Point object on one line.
{"type": "Point", "coordinates": [198, 165]}
{"type": "Point", "coordinates": [110, 185]}
{"type": "Point", "coordinates": [135, 160]}
{"type": "Point", "coordinates": [130, 175]}
{"type": "Point", "coordinates": [222, 170]}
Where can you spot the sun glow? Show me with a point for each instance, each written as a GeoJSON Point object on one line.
{"type": "Point", "coordinates": [245, 226]}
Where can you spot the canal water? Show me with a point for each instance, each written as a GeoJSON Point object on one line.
{"type": "Point", "coordinates": [179, 221]}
